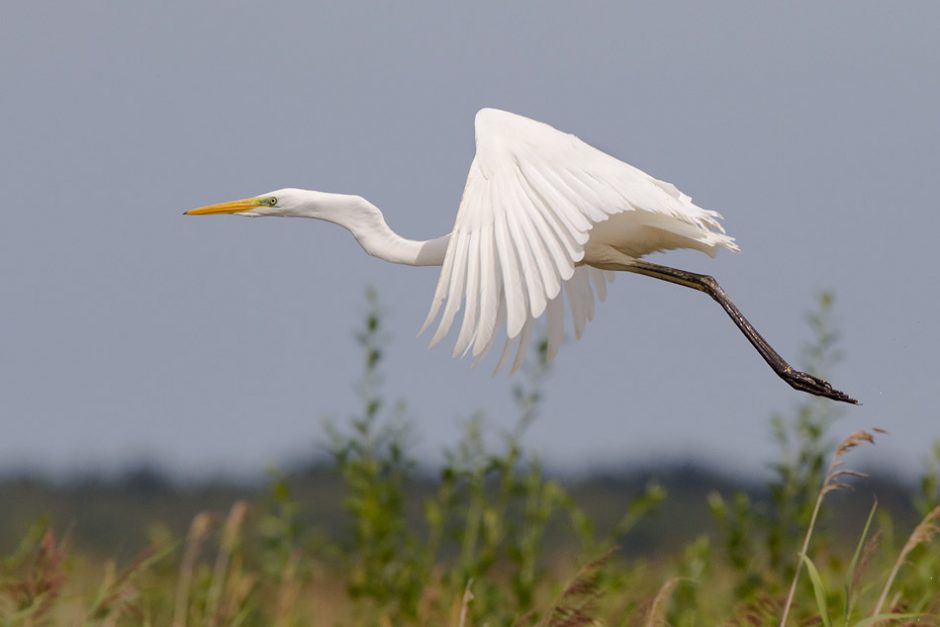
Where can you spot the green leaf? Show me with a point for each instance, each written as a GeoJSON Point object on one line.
{"type": "Point", "coordinates": [874, 620]}
{"type": "Point", "coordinates": [819, 589]}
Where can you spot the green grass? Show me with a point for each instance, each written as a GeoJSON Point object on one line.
{"type": "Point", "coordinates": [493, 539]}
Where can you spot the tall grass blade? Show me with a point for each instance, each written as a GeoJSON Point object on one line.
{"type": "Point", "coordinates": [819, 591]}
{"type": "Point", "coordinates": [465, 601]}
{"type": "Point", "coordinates": [657, 612]}
{"type": "Point", "coordinates": [880, 618]}
{"type": "Point", "coordinates": [230, 534]}
{"type": "Point", "coordinates": [923, 533]}
{"type": "Point", "coordinates": [198, 530]}
{"type": "Point", "coordinates": [834, 481]}
{"type": "Point", "coordinates": [850, 575]}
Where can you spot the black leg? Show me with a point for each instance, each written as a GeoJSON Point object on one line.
{"type": "Point", "coordinates": [704, 283]}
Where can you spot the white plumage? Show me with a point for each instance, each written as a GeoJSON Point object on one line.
{"type": "Point", "coordinates": [540, 206]}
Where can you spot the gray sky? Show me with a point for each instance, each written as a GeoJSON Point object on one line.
{"type": "Point", "coordinates": [129, 330]}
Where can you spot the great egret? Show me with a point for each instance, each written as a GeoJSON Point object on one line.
{"type": "Point", "coordinates": [541, 211]}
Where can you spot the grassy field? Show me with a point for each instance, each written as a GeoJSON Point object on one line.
{"type": "Point", "coordinates": [368, 538]}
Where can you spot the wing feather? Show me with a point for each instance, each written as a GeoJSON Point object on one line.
{"type": "Point", "coordinates": [583, 196]}
{"type": "Point", "coordinates": [533, 196]}
{"type": "Point", "coordinates": [580, 300]}
{"type": "Point", "coordinates": [455, 293]}
{"type": "Point", "coordinates": [544, 266]}
{"type": "Point", "coordinates": [507, 350]}
{"type": "Point", "coordinates": [486, 347]}
{"type": "Point", "coordinates": [558, 260]}
{"type": "Point", "coordinates": [556, 325]}
{"type": "Point", "coordinates": [472, 297]}
{"type": "Point", "coordinates": [524, 339]}
{"type": "Point", "coordinates": [561, 205]}
{"type": "Point", "coordinates": [600, 283]}
{"type": "Point", "coordinates": [441, 290]}
{"type": "Point", "coordinates": [516, 301]}
{"type": "Point", "coordinates": [523, 247]}
{"type": "Point", "coordinates": [490, 288]}
{"type": "Point", "coordinates": [570, 239]}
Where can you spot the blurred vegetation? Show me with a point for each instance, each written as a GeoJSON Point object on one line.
{"type": "Point", "coordinates": [365, 536]}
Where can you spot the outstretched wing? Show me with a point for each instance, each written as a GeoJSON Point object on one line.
{"type": "Point", "coordinates": [533, 195]}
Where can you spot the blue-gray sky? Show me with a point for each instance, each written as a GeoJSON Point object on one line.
{"type": "Point", "coordinates": [217, 343]}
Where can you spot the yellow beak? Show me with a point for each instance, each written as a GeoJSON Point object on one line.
{"type": "Point", "coordinates": [234, 206]}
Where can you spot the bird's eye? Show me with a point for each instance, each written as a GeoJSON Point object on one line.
{"type": "Point", "coordinates": [272, 201]}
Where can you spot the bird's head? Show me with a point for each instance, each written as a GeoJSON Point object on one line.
{"type": "Point", "coordinates": [282, 202]}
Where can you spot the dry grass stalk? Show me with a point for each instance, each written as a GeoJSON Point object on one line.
{"type": "Point", "coordinates": [575, 605]}
{"type": "Point", "coordinates": [43, 580]}
{"type": "Point", "coordinates": [230, 534]}
{"type": "Point", "coordinates": [928, 528]}
{"type": "Point", "coordinates": [657, 612]}
{"type": "Point", "coordinates": [118, 593]}
{"type": "Point", "coordinates": [833, 481]}
{"type": "Point", "coordinates": [868, 552]}
{"type": "Point", "coordinates": [198, 531]}
{"type": "Point", "coordinates": [288, 591]}
{"type": "Point", "coordinates": [760, 611]}
{"type": "Point", "coordinates": [238, 586]}
{"type": "Point", "coordinates": [465, 605]}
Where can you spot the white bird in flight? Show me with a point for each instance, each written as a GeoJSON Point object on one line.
{"type": "Point", "coordinates": [542, 213]}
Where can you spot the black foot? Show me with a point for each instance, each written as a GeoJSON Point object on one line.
{"type": "Point", "coordinates": [814, 385]}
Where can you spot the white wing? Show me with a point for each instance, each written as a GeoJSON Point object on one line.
{"type": "Point", "coordinates": [532, 197]}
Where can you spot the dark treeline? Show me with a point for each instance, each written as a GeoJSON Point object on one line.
{"type": "Point", "coordinates": [115, 515]}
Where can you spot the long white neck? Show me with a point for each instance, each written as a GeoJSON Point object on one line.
{"type": "Point", "coordinates": [368, 226]}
